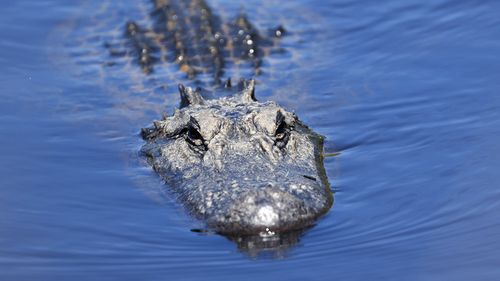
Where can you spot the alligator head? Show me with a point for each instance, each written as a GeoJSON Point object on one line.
{"type": "Point", "coordinates": [242, 166]}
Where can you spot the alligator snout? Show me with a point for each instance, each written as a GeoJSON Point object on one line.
{"type": "Point", "coordinates": [262, 210]}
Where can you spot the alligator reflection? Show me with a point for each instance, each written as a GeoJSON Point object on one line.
{"type": "Point", "coordinates": [276, 245]}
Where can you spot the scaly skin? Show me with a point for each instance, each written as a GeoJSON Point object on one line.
{"type": "Point", "coordinates": [243, 166]}
{"type": "Point", "coordinates": [188, 33]}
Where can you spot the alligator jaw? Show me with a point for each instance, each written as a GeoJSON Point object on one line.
{"type": "Point", "coordinates": [265, 211]}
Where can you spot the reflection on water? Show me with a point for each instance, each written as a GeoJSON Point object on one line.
{"type": "Point", "coordinates": [404, 90]}
{"type": "Point", "coordinates": [265, 245]}
{"type": "Point", "coordinates": [277, 244]}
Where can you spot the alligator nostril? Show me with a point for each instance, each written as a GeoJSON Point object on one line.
{"type": "Point", "coordinates": [309, 177]}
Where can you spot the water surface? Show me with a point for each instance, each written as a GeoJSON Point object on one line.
{"type": "Point", "coordinates": [405, 91]}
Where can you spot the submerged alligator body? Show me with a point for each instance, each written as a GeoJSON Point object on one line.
{"type": "Point", "coordinates": [187, 33]}
{"type": "Point", "coordinates": [242, 166]}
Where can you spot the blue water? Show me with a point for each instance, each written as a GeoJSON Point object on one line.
{"type": "Point", "coordinates": [406, 91]}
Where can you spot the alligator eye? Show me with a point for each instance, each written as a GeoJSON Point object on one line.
{"type": "Point", "coordinates": [282, 132]}
{"type": "Point", "coordinates": [194, 137]}
{"type": "Point", "coordinates": [192, 134]}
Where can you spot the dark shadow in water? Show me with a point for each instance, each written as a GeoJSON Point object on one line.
{"type": "Point", "coordinates": [272, 245]}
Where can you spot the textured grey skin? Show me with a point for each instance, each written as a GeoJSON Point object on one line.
{"type": "Point", "coordinates": [242, 166]}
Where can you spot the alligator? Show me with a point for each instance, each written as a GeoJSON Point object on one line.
{"type": "Point", "coordinates": [242, 166]}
